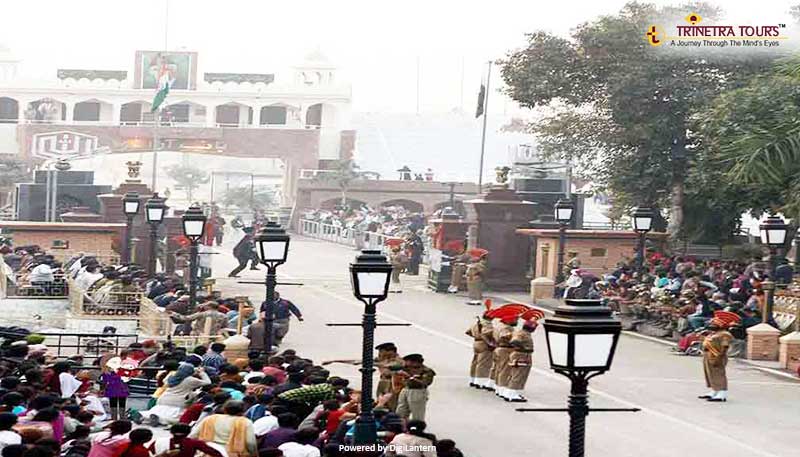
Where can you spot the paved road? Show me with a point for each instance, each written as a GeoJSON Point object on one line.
{"type": "Point", "coordinates": [760, 418]}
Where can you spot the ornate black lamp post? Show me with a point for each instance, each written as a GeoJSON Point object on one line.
{"type": "Point", "coordinates": [773, 234]}
{"type": "Point", "coordinates": [642, 223]}
{"type": "Point", "coordinates": [154, 210]}
{"type": "Point", "coordinates": [563, 215]}
{"type": "Point", "coordinates": [130, 206]}
{"type": "Point", "coordinates": [194, 226]}
{"type": "Point", "coordinates": [581, 340]}
{"type": "Point", "coordinates": [272, 246]}
{"type": "Point", "coordinates": [369, 276]}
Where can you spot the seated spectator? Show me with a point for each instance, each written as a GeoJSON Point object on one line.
{"type": "Point", "coordinates": [232, 430]}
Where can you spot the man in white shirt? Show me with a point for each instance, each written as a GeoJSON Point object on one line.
{"type": "Point", "coordinates": [88, 277]}
{"type": "Point", "coordinates": [301, 446]}
{"type": "Point", "coordinates": [42, 273]}
{"type": "Point", "coordinates": [7, 435]}
{"type": "Point", "coordinates": [265, 425]}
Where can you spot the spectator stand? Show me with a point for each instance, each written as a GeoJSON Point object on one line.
{"type": "Point", "coordinates": [13, 284]}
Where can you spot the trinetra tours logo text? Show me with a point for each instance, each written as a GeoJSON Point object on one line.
{"type": "Point", "coordinates": [699, 35]}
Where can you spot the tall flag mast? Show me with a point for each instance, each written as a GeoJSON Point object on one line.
{"type": "Point", "coordinates": [482, 110]}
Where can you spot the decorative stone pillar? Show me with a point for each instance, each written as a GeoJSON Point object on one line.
{"type": "Point", "coordinates": [256, 116]}
{"type": "Point", "coordinates": [70, 116]}
{"type": "Point", "coordinates": [211, 115]}
{"type": "Point", "coordinates": [116, 113]}
{"type": "Point", "coordinates": [789, 356]}
{"type": "Point", "coordinates": [762, 342]}
{"type": "Point", "coordinates": [542, 288]}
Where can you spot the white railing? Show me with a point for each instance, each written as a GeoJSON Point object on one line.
{"type": "Point", "coordinates": [342, 235]}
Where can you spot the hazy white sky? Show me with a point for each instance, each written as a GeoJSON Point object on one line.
{"type": "Point", "coordinates": [375, 43]}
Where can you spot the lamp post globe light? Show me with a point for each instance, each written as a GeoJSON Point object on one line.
{"type": "Point", "coordinates": [773, 234]}
{"type": "Point", "coordinates": [563, 215]}
{"type": "Point", "coordinates": [130, 207]}
{"type": "Point", "coordinates": [581, 337]}
{"type": "Point", "coordinates": [272, 248]}
{"type": "Point", "coordinates": [194, 226]}
{"type": "Point", "coordinates": [369, 277]}
{"type": "Point", "coordinates": [154, 210]}
{"type": "Point", "coordinates": [642, 223]}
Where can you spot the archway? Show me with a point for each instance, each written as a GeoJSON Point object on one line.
{"type": "Point", "coordinates": [92, 111]}
{"type": "Point", "coordinates": [273, 115]}
{"type": "Point", "coordinates": [336, 202]}
{"type": "Point", "coordinates": [233, 115]}
{"type": "Point", "coordinates": [132, 113]}
{"type": "Point", "coordinates": [410, 205]}
{"type": "Point", "coordinates": [46, 110]}
{"type": "Point", "coordinates": [458, 207]}
{"type": "Point", "coordinates": [9, 110]}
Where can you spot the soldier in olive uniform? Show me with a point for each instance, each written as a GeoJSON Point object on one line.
{"type": "Point", "coordinates": [476, 274]}
{"type": "Point", "coordinates": [482, 358]}
{"type": "Point", "coordinates": [389, 365]}
{"type": "Point", "coordinates": [520, 360]}
{"type": "Point", "coordinates": [414, 396]}
{"type": "Point", "coordinates": [501, 333]}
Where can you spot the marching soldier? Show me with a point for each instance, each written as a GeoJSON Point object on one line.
{"type": "Point", "coordinates": [399, 262]}
{"type": "Point", "coordinates": [501, 334]}
{"type": "Point", "coordinates": [520, 360]}
{"type": "Point", "coordinates": [459, 268]}
{"type": "Point", "coordinates": [715, 358]}
{"type": "Point", "coordinates": [482, 358]}
{"type": "Point", "coordinates": [487, 334]}
{"type": "Point", "coordinates": [476, 273]}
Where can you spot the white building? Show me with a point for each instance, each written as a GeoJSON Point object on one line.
{"type": "Point", "coordinates": [301, 116]}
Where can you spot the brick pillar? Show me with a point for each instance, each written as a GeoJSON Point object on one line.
{"type": "Point", "coordinates": [790, 351]}
{"type": "Point", "coordinates": [762, 342]}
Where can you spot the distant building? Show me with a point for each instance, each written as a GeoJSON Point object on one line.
{"type": "Point", "coordinates": [302, 117]}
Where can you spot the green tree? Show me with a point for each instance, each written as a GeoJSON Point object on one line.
{"type": "Point", "coordinates": [13, 171]}
{"type": "Point", "coordinates": [258, 198]}
{"type": "Point", "coordinates": [620, 109]}
{"type": "Point", "coordinates": [342, 174]}
{"type": "Point", "coordinates": [187, 177]}
{"type": "Point", "coordinates": [753, 134]}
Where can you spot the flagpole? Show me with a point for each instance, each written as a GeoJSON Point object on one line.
{"type": "Point", "coordinates": [156, 122]}
{"type": "Point", "coordinates": [166, 25]}
{"type": "Point", "coordinates": [485, 115]}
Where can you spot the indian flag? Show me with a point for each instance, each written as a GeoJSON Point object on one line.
{"type": "Point", "coordinates": [165, 81]}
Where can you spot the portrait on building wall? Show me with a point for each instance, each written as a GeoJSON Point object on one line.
{"type": "Point", "coordinates": [177, 66]}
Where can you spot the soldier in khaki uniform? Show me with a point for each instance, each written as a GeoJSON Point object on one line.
{"type": "Point", "coordinates": [414, 396]}
{"type": "Point", "coordinates": [459, 268]}
{"type": "Point", "coordinates": [715, 359]}
{"type": "Point", "coordinates": [501, 333]}
{"type": "Point", "coordinates": [520, 360]}
{"type": "Point", "coordinates": [482, 353]}
{"type": "Point", "coordinates": [399, 261]}
{"type": "Point", "coordinates": [476, 274]}
{"type": "Point", "coordinates": [487, 334]}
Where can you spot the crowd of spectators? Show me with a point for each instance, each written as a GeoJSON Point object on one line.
{"type": "Point", "coordinates": [32, 271]}
{"type": "Point", "coordinates": [288, 406]}
{"type": "Point", "coordinates": [394, 221]}
{"type": "Point", "coordinates": [681, 294]}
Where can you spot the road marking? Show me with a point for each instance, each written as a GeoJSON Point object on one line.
{"type": "Point", "coordinates": [550, 375]}
{"type": "Point", "coordinates": [700, 381]}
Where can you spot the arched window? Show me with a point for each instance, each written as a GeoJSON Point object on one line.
{"type": "Point", "coordinates": [273, 115]}
{"type": "Point", "coordinates": [9, 110]}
